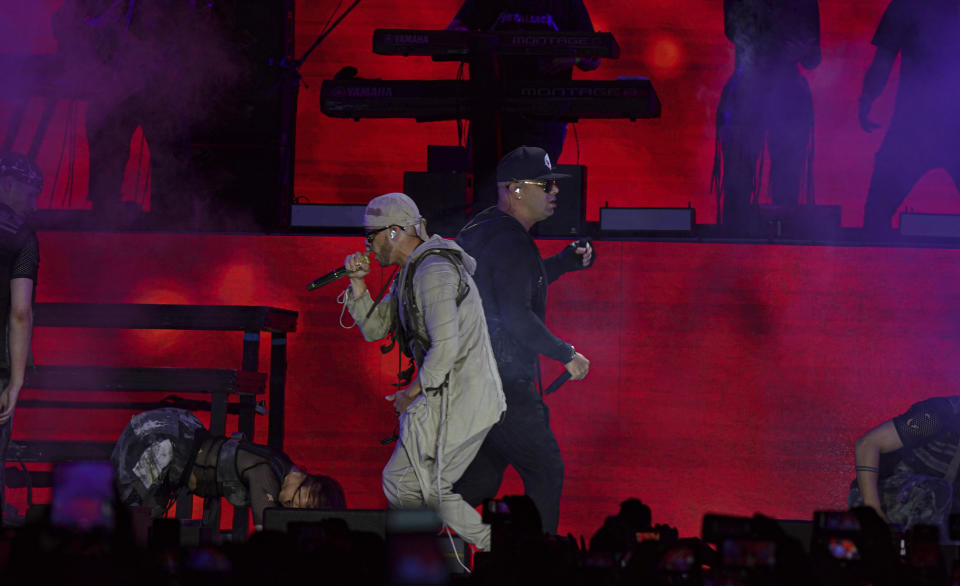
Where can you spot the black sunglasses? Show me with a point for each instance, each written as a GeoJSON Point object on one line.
{"type": "Point", "coordinates": [369, 236]}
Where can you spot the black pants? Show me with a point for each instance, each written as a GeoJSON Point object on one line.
{"type": "Point", "coordinates": [525, 441]}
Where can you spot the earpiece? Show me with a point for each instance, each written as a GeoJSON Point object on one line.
{"type": "Point", "coordinates": [393, 233]}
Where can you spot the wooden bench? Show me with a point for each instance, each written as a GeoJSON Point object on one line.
{"type": "Point", "coordinates": [251, 320]}
{"type": "Point", "coordinates": [219, 384]}
{"type": "Point", "coordinates": [216, 385]}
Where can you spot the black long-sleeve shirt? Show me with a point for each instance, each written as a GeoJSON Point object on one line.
{"type": "Point", "coordinates": [512, 279]}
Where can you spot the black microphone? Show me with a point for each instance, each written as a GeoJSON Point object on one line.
{"type": "Point", "coordinates": [327, 279]}
{"type": "Point", "coordinates": [557, 383]}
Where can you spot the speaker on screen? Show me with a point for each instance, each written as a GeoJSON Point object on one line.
{"type": "Point", "coordinates": [442, 199]}
{"type": "Point", "coordinates": [647, 220]}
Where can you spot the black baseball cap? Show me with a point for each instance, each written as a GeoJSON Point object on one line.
{"type": "Point", "coordinates": [526, 163]}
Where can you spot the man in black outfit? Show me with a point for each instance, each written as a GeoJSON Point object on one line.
{"type": "Point", "coordinates": [924, 131]}
{"type": "Point", "coordinates": [512, 278]}
{"type": "Point", "coordinates": [20, 185]}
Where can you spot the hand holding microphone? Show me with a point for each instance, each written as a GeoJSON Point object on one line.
{"type": "Point", "coordinates": [357, 265]}
{"type": "Point", "coordinates": [584, 248]}
{"type": "Point", "coordinates": [578, 366]}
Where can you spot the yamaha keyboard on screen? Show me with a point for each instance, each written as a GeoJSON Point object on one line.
{"type": "Point", "coordinates": [572, 100]}
{"type": "Point", "coordinates": [450, 100]}
{"type": "Point", "coordinates": [449, 45]}
{"type": "Point", "coordinates": [387, 98]}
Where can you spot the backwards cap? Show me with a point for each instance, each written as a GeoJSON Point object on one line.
{"type": "Point", "coordinates": [394, 209]}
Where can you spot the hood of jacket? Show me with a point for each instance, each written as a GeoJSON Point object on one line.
{"type": "Point", "coordinates": [476, 235]}
{"type": "Point", "coordinates": [437, 242]}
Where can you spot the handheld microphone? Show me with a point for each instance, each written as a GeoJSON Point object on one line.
{"type": "Point", "coordinates": [556, 384]}
{"type": "Point", "coordinates": [327, 279]}
{"type": "Point", "coordinates": [332, 276]}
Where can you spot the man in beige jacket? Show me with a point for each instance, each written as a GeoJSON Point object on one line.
{"type": "Point", "coordinates": [456, 397]}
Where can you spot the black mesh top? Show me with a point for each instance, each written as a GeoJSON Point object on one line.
{"type": "Point", "coordinates": [262, 470]}
{"type": "Point", "coordinates": [930, 432]}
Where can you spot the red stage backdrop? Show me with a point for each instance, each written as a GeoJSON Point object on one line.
{"type": "Point", "coordinates": [667, 162]}
{"type": "Point", "coordinates": [728, 378]}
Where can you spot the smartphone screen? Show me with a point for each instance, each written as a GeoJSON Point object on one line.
{"type": "Point", "coordinates": [842, 548]}
{"type": "Point", "coordinates": [647, 536]}
{"type": "Point", "coordinates": [83, 496]}
{"type": "Point", "coordinates": [494, 511]}
{"type": "Point", "coordinates": [748, 553]}
{"type": "Point", "coordinates": [680, 558]}
{"type": "Point", "coordinates": [414, 556]}
{"type": "Point", "coordinates": [838, 521]}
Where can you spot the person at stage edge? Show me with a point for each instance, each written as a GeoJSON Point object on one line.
{"type": "Point", "coordinates": [924, 131]}
{"type": "Point", "coordinates": [20, 183]}
{"type": "Point", "coordinates": [513, 278]}
{"type": "Point", "coordinates": [434, 311]}
{"type": "Point", "coordinates": [164, 452]}
{"type": "Point", "coordinates": [907, 466]}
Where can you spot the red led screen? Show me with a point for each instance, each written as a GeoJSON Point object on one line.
{"type": "Point", "coordinates": [679, 45]}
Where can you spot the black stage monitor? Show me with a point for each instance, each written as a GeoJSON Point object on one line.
{"type": "Point", "coordinates": [371, 520]}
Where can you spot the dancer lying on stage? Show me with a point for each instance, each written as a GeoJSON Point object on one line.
{"type": "Point", "coordinates": [907, 466]}
{"type": "Point", "coordinates": [165, 451]}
